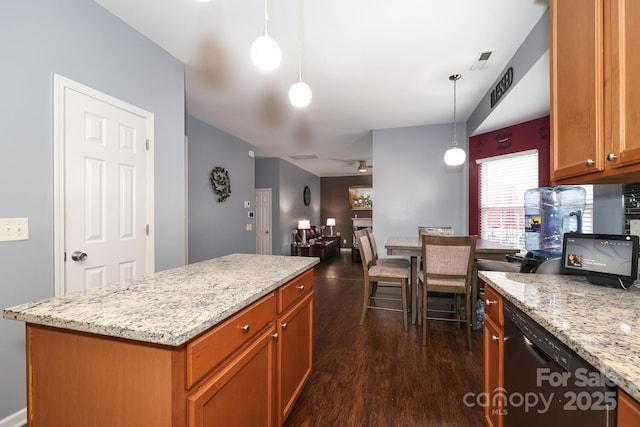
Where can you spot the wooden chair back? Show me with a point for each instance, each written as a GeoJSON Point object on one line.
{"type": "Point", "coordinates": [435, 231]}
{"type": "Point", "coordinates": [448, 261]}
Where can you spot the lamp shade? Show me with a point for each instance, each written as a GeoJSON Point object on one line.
{"type": "Point", "coordinates": [265, 53]}
{"type": "Point", "coordinates": [454, 156]}
{"type": "Point", "coordinates": [300, 94]}
{"type": "Point", "coordinates": [304, 224]}
{"type": "Point", "coordinates": [331, 222]}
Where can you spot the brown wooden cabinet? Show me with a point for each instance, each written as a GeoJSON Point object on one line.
{"type": "Point", "coordinates": [595, 103]}
{"type": "Point", "coordinates": [493, 358]}
{"type": "Point", "coordinates": [628, 410]}
{"type": "Point", "coordinates": [295, 342]}
{"type": "Point", "coordinates": [246, 371]}
{"type": "Point", "coordinates": [241, 392]}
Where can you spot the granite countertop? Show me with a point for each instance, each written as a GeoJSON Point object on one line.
{"type": "Point", "coordinates": [170, 307]}
{"type": "Point", "coordinates": [598, 323]}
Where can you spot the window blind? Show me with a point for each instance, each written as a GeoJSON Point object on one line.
{"type": "Point", "coordinates": [503, 182]}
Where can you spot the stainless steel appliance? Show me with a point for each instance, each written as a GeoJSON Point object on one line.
{"type": "Point", "coordinates": [546, 383]}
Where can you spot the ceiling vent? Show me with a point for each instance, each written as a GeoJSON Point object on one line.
{"type": "Point", "coordinates": [303, 157]}
{"type": "Point", "coordinates": [482, 60]}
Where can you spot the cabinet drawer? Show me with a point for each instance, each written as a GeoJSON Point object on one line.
{"type": "Point", "coordinates": [493, 303]}
{"type": "Point", "coordinates": [209, 350]}
{"type": "Point", "coordinates": [292, 291]}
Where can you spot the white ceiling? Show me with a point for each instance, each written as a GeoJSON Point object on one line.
{"type": "Point", "coordinates": [371, 64]}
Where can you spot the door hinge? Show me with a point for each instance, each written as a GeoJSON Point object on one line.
{"type": "Point", "coordinates": [147, 229]}
{"type": "Point", "coordinates": [65, 256]}
{"type": "Point", "coordinates": [147, 145]}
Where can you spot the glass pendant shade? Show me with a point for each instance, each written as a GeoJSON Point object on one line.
{"type": "Point", "coordinates": [300, 94]}
{"type": "Point", "coordinates": [455, 156]}
{"type": "Point", "coordinates": [265, 53]}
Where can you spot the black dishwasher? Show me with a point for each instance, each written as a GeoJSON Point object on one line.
{"type": "Point", "coordinates": [546, 383]}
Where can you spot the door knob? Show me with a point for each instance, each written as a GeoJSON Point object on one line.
{"type": "Point", "coordinates": [78, 256]}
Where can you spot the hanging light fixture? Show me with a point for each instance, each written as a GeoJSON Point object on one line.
{"type": "Point", "coordinates": [455, 155]}
{"type": "Point", "coordinates": [362, 167]}
{"type": "Point", "coordinates": [300, 92]}
{"type": "Point", "coordinates": [265, 52]}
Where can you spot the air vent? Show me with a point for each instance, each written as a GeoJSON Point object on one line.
{"type": "Point", "coordinates": [482, 60]}
{"type": "Point", "coordinates": [303, 157]}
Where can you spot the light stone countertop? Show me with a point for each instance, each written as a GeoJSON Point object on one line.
{"type": "Point", "coordinates": [170, 307]}
{"type": "Point", "coordinates": [598, 323]}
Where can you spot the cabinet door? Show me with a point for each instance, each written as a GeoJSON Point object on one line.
{"type": "Point", "coordinates": [493, 373]}
{"type": "Point", "coordinates": [295, 354]}
{"type": "Point", "coordinates": [628, 410]}
{"type": "Point", "coordinates": [625, 91]}
{"type": "Point", "coordinates": [577, 87]}
{"type": "Point", "coordinates": [241, 392]}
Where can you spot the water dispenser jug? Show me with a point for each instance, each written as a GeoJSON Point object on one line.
{"type": "Point", "coordinates": [549, 213]}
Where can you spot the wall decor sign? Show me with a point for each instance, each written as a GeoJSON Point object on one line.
{"type": "Point", "coordinates": [361, 198]}
{"type": "Point", "coordinates": [502, 87]}
{"type": "Point", "coordinates": [220, 183]}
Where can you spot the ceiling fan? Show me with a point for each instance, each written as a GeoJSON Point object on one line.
{"type": "Point", "coordinates": [363, 167]}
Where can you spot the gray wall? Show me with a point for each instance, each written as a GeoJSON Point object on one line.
{"type": "Point", "coordinates": [413, 186]}
{"type": "Point", "coordinates": [217, 229]}
{"type": "Point", "coordinates": [530, 51]}
{"type": "Point", "coordinates": [287, 201]}
{"type": "Point", "coordinates": [79, 40]}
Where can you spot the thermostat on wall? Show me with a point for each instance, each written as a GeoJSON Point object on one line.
{"type": "Point", "coordinates": [250, 214]}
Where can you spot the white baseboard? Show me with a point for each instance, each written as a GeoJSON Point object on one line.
{"type": "Point", "coordinates": [17, 419]}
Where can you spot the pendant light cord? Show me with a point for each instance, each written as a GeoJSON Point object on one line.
{"type": "Point", "coordinates": [455, 141]}
{"type": "Point", "coordinates": [266, 18]}
{"type": "Point", "coordinates": [299, 40]}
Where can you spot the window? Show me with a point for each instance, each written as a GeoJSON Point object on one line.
{"type": "Point", "coordinates": [503, 180]}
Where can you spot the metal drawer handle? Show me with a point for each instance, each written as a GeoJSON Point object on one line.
{"type": "Point", "coordinates": [611, 157]}
{"type": "Point", "coordinates": [245, 328]}
{"type": "Point", "coordinates": [284, 326]}
{"type": "Point", "coordinates": [275, 336]}
{"type": "Point", "coordinates": [489, 302]}
{"type": "Point", "coordinates": [589, 162]}
{"type": "Point", "coordinates": [301, 287]}
{"type": "Point", "coordinates": [495, 338]}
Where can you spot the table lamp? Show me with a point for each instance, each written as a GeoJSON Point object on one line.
{"type": "Point", "coordinates": [304, 225]}
{"type": "Point", "coordinates": [330, 223]}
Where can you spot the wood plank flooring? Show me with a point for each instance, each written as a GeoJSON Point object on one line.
{"type": "Point", "coordinates": [377, 374]}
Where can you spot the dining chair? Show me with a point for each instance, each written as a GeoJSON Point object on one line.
{"type": "Point", "coordinates": [435, 231]}
{"type": "Point", "coordinates": [448, 268]}
{"type": "Point", "coordinates": [392, 262]}
{"type": "Point", "coordinates": [381, 275]}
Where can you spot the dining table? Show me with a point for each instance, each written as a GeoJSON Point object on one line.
{"type": "Point", "coordinates": [412, 247]}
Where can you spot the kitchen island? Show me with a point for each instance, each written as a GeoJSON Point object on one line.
{"type": "Point", "coordinates": [596, 322]}
{"type": "Point", "coordinates": [228, 339]}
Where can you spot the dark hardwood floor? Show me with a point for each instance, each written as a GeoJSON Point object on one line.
{"type": "Point", "coordinates": [377, 374]}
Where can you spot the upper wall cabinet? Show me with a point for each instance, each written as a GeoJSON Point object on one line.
{"type": "Point", "coordinates": [595, 103]}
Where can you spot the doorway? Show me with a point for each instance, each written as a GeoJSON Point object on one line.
{"type": "Point", "coordinates": [264, 241]}
{"type": "Point", "coordinates": [103, 189]}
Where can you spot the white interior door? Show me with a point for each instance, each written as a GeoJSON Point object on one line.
{"type": "Point", "coordinates": [263, 221]}
{"type": "Point", "coordinates": [107, 197]}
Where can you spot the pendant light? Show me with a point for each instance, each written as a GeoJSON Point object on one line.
{"type": "Point", "coordinates": [300, 92]}
{"type": "Point", "coordinates": [454, 156]}
{"type": "Point", "coordinates": [265, 52]}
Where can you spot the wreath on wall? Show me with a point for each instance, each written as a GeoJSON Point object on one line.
{"type": "Point", "coordinates": [220, 183]}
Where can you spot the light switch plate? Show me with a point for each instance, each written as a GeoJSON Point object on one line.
{"type": "Point", "coordinates": [634, 227]}
{"type": "Point", "coordinates": [249, 227]}
{"type": "Point", "coordinates": [247, 204]}
{"type": "Point", "coordinates": [13, 229]}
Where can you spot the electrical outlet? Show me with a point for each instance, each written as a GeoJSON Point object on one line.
{"type": "Point", "coordinates": [249, 227]}
{"type": "Point", "coordinates": [13, 229]}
